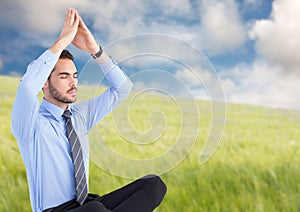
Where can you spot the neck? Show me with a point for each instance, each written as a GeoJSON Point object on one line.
{"type": "Point", "coordinates": [62, 105]}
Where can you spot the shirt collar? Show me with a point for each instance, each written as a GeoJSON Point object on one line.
{"type": "Point", "coordinates": [54, 110]}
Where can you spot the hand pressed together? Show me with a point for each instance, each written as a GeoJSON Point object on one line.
{"type": "Point", "coordinates": [76, 32]}
{"type": "Point", "coordinates": [84, 39]}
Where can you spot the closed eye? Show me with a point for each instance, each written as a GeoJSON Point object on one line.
{"type": "Point", "coordinates": [63, 76]}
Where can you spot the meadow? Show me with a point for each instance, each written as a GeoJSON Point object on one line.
{"type": "Point", "coordinates": [256, 166]}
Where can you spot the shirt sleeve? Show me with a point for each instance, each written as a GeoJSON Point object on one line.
{"type": "Point", "coordinates": [25, 106]}
{"type": "Point", "coordinates": [119, 88]}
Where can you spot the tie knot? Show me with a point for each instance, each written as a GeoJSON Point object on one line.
{"type": "Point", "coordinates": [66, 114]}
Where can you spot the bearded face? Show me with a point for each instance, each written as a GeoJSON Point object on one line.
{"type": "Point", "coordinates": [63, 97]}
{"type": "Point", "coordinates": [61, 87]}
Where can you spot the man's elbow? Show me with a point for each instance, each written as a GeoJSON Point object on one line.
{"type": "Point", "coordinates": [130, 86]}
{"type": "Point", "coordinates": [127, 87]}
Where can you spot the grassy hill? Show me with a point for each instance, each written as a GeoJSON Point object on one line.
{"type": "Point", "coordinates": [255, 168]}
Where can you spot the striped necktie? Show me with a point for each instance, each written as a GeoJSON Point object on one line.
{"type": "Point", "coordinates": [80, 177]}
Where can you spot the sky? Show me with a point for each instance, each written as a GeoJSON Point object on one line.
{"type": "Point", "coordinates": [253, 45]}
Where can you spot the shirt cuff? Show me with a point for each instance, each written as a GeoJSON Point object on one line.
{"type": "Point", "coordinates": [108, 65]}
{"type": "Point", "coordinates": [49, 58]}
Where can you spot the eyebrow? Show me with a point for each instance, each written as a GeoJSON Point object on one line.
{"type": "Point", "coordinates": [66, 73]}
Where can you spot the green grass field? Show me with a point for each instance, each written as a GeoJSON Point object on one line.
{"type": "Point", "coordinates": [255, 168]}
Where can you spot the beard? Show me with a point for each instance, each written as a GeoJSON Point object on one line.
{"type": "Point", "coordinates": [58, 96]}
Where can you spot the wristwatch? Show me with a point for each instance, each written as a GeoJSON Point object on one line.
{"type": "Point", "coordinates": [98, 54]}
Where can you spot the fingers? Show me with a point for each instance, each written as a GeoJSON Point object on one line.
{"type": "Point", "coordinates": [76, 18]}
{"type": "Point", "coordinates": [81, 23]}
{"type": "Point", "coordinates": [68, 19]}
{"type": "Point", "coordinates": [70, 27]}
{"type": "Point", "coordinates": [72, 17]}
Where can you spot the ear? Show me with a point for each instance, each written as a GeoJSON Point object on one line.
{"type": "Point", "coordinates": [46, 84]}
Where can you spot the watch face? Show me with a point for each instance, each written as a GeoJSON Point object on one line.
{"type": "Point", "coordinates": [98, 54]}
{"type": "Point", "coordinates": [114, 62]}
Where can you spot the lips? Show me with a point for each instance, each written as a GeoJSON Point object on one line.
{"type": "Point", "coordinates": [72, 91]}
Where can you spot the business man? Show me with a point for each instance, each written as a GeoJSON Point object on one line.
{"type": "Point", "coordinates": [50, 135]}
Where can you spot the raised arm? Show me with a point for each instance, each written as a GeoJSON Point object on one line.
{"type": "Point", "coordinates": [85, 40]}
{"type": "Point", "coordinates": [68, 32]}
{"type": "Point", "coordinates": [100, 106]}
{"type": "Point", "coordinates": [119, 84]}
{"type": "Point", "coordinates": [26, 102]}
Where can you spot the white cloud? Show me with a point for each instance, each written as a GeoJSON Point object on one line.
{"type": "Point", "coordinates": [214, 26]}
{"type": "Point", "coordinates": [222, 28]}
{"type": "Point", "coordinates": [265, 82]}
{"type": "Point", "coordinates": [15, 74]}
{"type": "Point", "coordinates": [188, 77]}
{"type": "Point", "coordinates": [198, 81]}
{"type": "Point", "coordinates": [252, 2]}
{"type": "Point", "coordinates": [32, 17]}
{"type": "Point", "coordinates": [219, 31]}
{"type": "Point", "coordinates": [114, 17]}
{"type": "Point", "coordinates": [180, 8]}
{"type": "Point", "coordinates": [1, 63]}
{"type": "Point", "coordinates": [277, 38]}
{"type": "Point", "coordinates": [121, 19]}
{"type": "Point", "coordinates": [261, 84]}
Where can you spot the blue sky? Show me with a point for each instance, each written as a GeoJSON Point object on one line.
{"type": "Point", "coordinates": [254, 45]}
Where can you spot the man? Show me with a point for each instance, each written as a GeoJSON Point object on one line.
{"type": "Point", "coordinates": [51, 135]}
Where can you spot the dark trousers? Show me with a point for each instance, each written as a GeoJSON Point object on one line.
{"type": "Point", "coordinates": [144, 194]}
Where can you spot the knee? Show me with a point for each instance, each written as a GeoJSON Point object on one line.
{"type": "Point", "coordinates": [157, 187]}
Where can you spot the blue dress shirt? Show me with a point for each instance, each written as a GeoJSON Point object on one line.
{"type": "Point", "coordinates": [41, 134]}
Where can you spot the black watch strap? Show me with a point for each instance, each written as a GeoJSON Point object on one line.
{"type": "Point", "coordinates": [98, 54]}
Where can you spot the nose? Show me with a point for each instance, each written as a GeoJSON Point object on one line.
{"type": "Point", "coordinates": [73, 81]}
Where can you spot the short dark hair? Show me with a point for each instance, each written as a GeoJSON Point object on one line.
{"type": "Point", "coordinates": [65, 54]}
